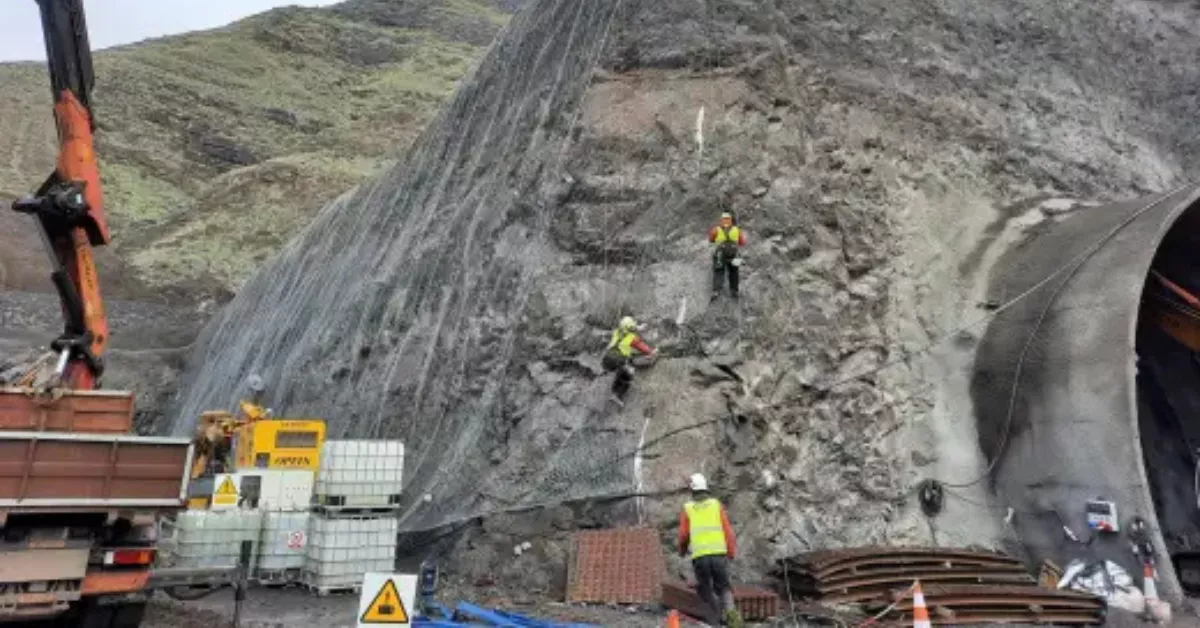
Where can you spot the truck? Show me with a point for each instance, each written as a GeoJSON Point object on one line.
{"type": "Point", "coordinates": [80, 496]}
{"type": "Point", "coordinates": [80, 504]}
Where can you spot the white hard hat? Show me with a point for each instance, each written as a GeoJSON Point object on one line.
{"type": "Point", "coordinates": [698, 483]}
{"type": "Point", "coordinates": [628, 323]}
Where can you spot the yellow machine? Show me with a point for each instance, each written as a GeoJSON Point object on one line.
{"type": "Point", "coordinates": [253, 439]}
{"type": "Point", "coordinates": [279, 444]}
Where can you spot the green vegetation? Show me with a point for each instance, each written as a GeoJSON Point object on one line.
{"type": "Point", "coordinates": [218, 146]}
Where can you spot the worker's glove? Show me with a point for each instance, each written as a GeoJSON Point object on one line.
{"type": "Point", "coordinates": [737, 261]}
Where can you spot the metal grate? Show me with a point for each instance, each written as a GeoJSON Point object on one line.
{"type": "Point", "coordinates": [623, 566]}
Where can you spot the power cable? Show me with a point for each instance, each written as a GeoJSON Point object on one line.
{"type": "Point", "coordinates": [1016, 385]}
{"type": "Point", "coordinates": [900, 598]}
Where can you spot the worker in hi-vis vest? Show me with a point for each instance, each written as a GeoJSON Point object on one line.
{"type": "Point", "coordinates": [618, 356]}
{"type": "Point", "coordinates": [728, 240]}
{"type": "Point", "coordinates": [704, 530]}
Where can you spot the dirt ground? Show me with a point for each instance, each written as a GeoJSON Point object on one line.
{"type": "Point", "coordinates": [277, 608]}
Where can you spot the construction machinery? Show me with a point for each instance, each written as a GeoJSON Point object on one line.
{"type": "Point", "coordinates": [80, 498]}
{"type": "Point", "coordinates": [251, 440]}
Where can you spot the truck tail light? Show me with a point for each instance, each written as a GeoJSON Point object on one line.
{"type": "Point", "coordinates": [126, 557]}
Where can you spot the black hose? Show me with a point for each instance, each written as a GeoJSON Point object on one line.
{"type": "Point", "coordinates": [191, 594]}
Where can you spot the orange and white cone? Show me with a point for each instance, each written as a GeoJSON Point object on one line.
{"type": "Point", "coordinates": [920, 612]}
{"type": "Point", "coordinates": [1149, 588]}
{"type": "Point", "coordinates": [673, 619]}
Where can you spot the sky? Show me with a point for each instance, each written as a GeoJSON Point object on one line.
{"type": "Point", "coordinates": [116, 22]}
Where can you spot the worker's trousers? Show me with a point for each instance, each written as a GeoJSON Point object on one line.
{"type": "Point", "coordinates": [712, 583]}
{"type": "Point", "coordinates": [624, 368]}
{"type": "Point", "coordinates": [723, 267]}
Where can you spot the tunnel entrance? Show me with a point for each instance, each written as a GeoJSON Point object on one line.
{"type": "Point", "coordinates": [1168, 384]}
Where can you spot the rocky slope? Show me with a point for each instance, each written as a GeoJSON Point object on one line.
{"type": "Point", "coordinates": [874, 152]}
{"type": "Point", "coordinates": [218, 146]}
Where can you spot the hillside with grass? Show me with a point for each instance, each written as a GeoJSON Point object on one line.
{"type": "Point", "coordinates": [216, 147]}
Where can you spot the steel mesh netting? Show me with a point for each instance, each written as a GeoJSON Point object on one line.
{"type": "Point", "coordinates": [396, 314]}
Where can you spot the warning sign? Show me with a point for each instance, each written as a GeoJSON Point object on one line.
{"type": "Point", "coordinates": [295, 540]}
{"type": "Point", "coordinates": [226, 493]}
{"type": "Point", "coordinates": [386, 599]}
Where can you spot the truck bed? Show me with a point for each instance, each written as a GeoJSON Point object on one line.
{"type": "Point", "coordinates": [56, 470]}
{"type": "Point", "coordinates": [109, 412]}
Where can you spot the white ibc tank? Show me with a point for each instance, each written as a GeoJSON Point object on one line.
{"type": "Point", "coordinates": [362, 471]}
{"type": "Point", "coordinates": [341, 550]}
{"type": "Point", "coordinates": [284, 540]}
{"type": "Point", "coordinates": [280, 489]}
{"type": "Point", "coordinates": [213, 538]}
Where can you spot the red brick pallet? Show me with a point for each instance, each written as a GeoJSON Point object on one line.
{"type": "Point", "coordinates": [622, 566]}
{"type": "Point", "coordinates": [753, 603]}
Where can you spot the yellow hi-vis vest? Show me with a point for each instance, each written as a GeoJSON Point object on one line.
{"type": "Point", "coordinates": [704, 524]}
{"type": "Point", "coordinates": [723, 236]}
{"type": "Point", "coordinates": [622, 342]}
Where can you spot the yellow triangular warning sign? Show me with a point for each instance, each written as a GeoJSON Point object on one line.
{"type": "Point", "coordinates": [227, 487]}
{"type": "Point", "coordinates": [386, 608]}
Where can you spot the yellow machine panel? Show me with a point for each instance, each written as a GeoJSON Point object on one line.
{"type": "Point", "coordinates": [280, 444]}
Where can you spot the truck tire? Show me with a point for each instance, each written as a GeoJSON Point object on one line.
{"type": "Point", "coordinates": [128, 615]}
{"type": "Point", "coordinates": [92, 615]}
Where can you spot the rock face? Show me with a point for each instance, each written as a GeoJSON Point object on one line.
{"type": "Point", "coordinates": [873, 152]}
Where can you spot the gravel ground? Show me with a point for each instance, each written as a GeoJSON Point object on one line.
{"type": "Point", "coordinates": [272, 608]}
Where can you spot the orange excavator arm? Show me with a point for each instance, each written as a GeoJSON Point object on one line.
{"type": "Point", "coordinates": [69, 206]}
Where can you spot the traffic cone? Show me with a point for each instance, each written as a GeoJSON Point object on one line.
{"type": "Point", "coordinates": [1149, 588]}
{"type": "Point", "coordinates": [920, 613]}
{"type": "Point", "coordinates": [673, 619]}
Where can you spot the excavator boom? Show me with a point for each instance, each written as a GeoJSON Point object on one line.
{"type": "Point", "coordinates": [69, 207]}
